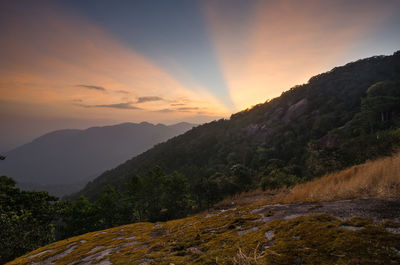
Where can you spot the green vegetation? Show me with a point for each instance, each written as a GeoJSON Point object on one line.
{"type": "Point", "coordinates": [233, 236]}
{"type": "Point", "coordinates": [296, 242]}
{"type": "Point", "coordinates": [25, 220]}
{"type": "Point", "coordinates": [153, 197]}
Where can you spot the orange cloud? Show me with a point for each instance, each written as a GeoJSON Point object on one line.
{"type": "Point", "coordinates": [55, 59]}
{"type": "Point", "coordinates": [283, 43]}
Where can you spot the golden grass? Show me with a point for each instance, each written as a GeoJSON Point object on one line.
{"type": "Point", "coordinates": [257, 257]}
{"type": "Point", "coordinates": [244, 198]}
{"type": "Point", "coordinates": [374, 179]}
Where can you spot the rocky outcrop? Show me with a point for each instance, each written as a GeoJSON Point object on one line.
{"type": "Point", "coordinates": [295, 110]}
{"type": "Point", "coordinates": [335, 232]}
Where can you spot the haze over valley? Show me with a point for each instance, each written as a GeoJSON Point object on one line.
{"type": "Point", "coordinates": [62, 162]}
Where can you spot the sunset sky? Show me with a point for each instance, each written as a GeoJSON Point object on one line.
{"type": "Point", "coordinates": [76, 64]}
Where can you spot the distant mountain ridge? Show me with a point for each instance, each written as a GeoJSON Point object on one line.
{"type": "Point", "coordinates": [63, 161]}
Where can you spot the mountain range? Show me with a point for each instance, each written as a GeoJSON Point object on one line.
{"type": "Point", "coordinates": [64, 161]}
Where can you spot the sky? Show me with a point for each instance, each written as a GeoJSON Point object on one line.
{"type": "Point", "coordinates": [76, 64]}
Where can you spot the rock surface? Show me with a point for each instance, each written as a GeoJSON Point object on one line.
{"type": "Point", "coordinates": [344, 232]}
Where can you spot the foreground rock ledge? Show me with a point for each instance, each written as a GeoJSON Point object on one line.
{"type": "Point", "coordinates": [337, 232]}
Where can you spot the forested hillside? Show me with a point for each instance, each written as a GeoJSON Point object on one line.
{"type": "Point", "coordinates": [337, 119]}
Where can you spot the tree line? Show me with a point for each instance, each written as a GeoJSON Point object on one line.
{"type": "Point", "coordinates": [30, 219]}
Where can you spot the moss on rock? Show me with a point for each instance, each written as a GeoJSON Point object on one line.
{"type": "Point", "coordinates": [233, 236]}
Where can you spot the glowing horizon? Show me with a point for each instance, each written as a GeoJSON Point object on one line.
{"type": "Point", "coordinates": [172, 61]}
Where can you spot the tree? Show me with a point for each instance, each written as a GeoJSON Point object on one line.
{"type": "Point", "coordinates": [241, 176]}
{"type": "Point", "coordinates": [225, 185]}
{"type": "Point", "coordinates": [152, 190]}
{"type": "Point", "coordinates": [78, 217]}
{"type": "Point", "coordinates": [25, 219]}
{"type": "Point", "coordinates": [278, 174]}
{"type": "Point", "coordinates": [175, 199]}
{"type": "Point", "coordinates": [134, 198]}
{"type": "Point", "coordinates": [110, 208]}
{"type": "Point", "coordinates": [382, 100]}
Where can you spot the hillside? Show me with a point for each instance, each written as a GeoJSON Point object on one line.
{"type": "Point", "coordinates": [259, 229]}
{"type": "Point", "coordinates": [64, 161]}
{"type": "Point", "coordinates": [339, 118]}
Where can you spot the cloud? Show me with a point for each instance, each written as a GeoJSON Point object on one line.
{"type": "Point", "coordinates": [122, 92]}
{"type": "Point", "coordinates": [123, 105]}
{"type": "Point", "coordinates": [93, 87]}
{"type": "Point", "coordinates": [188, 108]}
{"type": "Point", "coordinates": [165, 110]}
{"type": "Point", "coordinates": [183, 109]}
{"type": "Point", "coordinates": [118, 106]}
{"type": "Point", "coordinates": [148, 99]}
{"type": "Point", "coordinates": [178, 104]}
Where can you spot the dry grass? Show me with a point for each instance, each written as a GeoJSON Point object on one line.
{"type": "Point", "coordinates": [257, 197]}
{"type": "Point", "coordinates": [374, 179]}
{"type": "Point", "coordinates": [244, 198]}
{"type": "Point", "coordinates": [255, 258]}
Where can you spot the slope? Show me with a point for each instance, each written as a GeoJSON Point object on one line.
{"type": "Point", "coordinates": [325, 125]}
{"type": "Point", "coordinates": [260, 231]}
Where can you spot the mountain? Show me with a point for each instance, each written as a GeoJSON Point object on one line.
{"type": "Point", "coordinates": [337, 119]}
{"type": "Point", "coordinates": [64, 161]}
